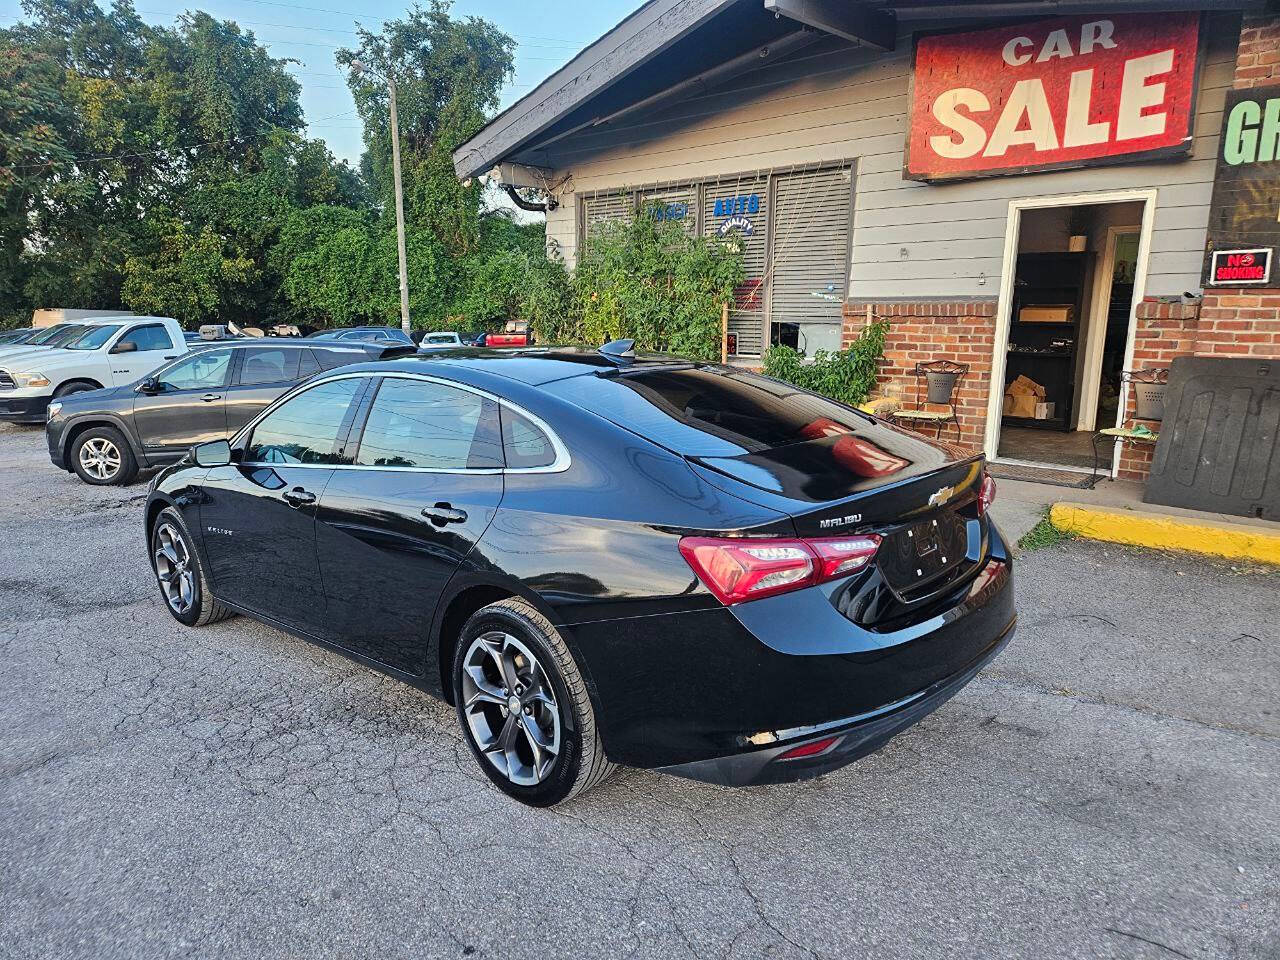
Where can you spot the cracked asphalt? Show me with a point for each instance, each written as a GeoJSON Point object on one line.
{"type": "Point", "coordinates": [1107, 788]}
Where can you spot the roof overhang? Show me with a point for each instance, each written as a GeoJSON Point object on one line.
{"type": "Point", "coordinates": [668, 47]}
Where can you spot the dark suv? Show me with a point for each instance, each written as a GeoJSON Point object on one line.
{"type": "Point", "coordinates": [106, 436]}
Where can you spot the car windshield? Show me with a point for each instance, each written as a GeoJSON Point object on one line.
{"type": "Point", "coordinates": [442, 338]}
{"type": "Point", "coordinates": [57, 334]}
{"type": "Point", "coordinates": [93, 337]}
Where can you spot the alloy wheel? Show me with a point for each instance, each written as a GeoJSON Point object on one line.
{"type": "Point", "coordinates": [510, 707]}
{"type": "Point", "coordinates": [100, 458]}
{"type": "Point", "coordinates": [174, 569]}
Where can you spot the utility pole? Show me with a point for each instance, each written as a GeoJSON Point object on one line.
{"type": "Point", "coordinates": [395, 165]}
{"type": "Point", "coordinates": [395, 169]}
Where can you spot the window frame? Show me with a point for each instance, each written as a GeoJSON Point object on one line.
{"type": "Point", "coordinates": [190, 357]}
{"type": "Point", "coordinates": [138, 327]}
{"type": "Point", "coordinates": [353, 428]}
{"type": "Point", "coordinates": [244, 436]}
{"type": "Point", "coordinates": [242, 356]}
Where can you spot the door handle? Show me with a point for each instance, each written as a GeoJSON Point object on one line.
{"type": "Point", "coordinates": [171, 356]}
{"type": "Point", "coordinates": [297, 497]}
{"type": "Point", "coordinates": [210, 397]}
{"type": "Point", "coordinates": [443, 513]}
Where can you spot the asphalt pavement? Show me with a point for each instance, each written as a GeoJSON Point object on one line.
{"type": "Point", "coordinates": [1108, 787]}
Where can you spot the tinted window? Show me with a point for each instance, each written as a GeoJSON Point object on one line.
{"type": "Point", "coordinates": [93, 337]}
{"type": "Point", "coordinates": [268, 365]}
{"type": "Point", "coordinates": [414, 423]}
{"type": "Point", "coordinates": [151, 337]}
{"type": "Point", "coordinates": [58, 334]}
{"type": "Point", "coordinates": [439, 338]}
{"type": "Point", "coordinates": [203, 370]}
{"type": "Point", "coordinates": [703, 413]}
{"type": "Point", "coordinates": [523, 443]}
{"type": "Point", "coordinates": [328, 359]}
{"type": "Point", "coordinates": [307, 364]}
{"type": "Point", "coordinates": [305, 428]}
{"type": "Point", "coordinates": [17, 336]}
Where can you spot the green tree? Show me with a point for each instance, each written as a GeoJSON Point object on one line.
{"type": "Point", "coordinates": [648, 280]}
{"type": "Point", "coordinates": [448, 74]}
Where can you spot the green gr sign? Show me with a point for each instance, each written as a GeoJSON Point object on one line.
{"type": "Point", "coordinates": [1245, 211]}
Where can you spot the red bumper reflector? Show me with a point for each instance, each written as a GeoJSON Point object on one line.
{"type": "Point", "coordinates": [810, 749]}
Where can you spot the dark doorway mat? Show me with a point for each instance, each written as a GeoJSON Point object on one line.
{"type": "Point", "coordinates": [1055, 478]}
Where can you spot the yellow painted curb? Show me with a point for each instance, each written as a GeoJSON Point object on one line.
{"type": "Point", "coordinates": [1163, 532]}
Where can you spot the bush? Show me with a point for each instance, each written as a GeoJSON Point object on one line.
{"type": "Point", "coordinates": [648, 280]}
{"type": "Point", "coordinates": [847, 375]}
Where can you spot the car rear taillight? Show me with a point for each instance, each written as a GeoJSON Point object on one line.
{"type": "Point", "coordinates": [986, 494]}
{"type": "Point", "coordinates": [736, 569]}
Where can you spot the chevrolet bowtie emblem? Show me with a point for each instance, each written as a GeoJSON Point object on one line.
{"type": "Point", "coordinates": [941, 496]}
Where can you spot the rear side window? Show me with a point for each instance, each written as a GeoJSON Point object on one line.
{"type": "Point", "coordinates": [328, 359]}
{"type": "Point", "coordinates": [269, 365]}
{"type": "Point", "coordinates": [702, 413]}
{"type": "Point", "coordinates": [524, 444]}
{"type": "Point", "coordinates": [307, 364]}
{"type": "Point", "coordinates": [416, 423]}
{"type": "Point", "coordinates": [305, 428]}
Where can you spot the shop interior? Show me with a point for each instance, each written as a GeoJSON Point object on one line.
{"type": "Point", "coordinates": [1072, 304]}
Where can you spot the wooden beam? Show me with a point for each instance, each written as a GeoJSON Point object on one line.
{"type": "Point", "coordinates": [874, 28]}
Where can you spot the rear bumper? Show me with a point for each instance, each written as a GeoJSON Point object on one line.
{"type": "Point", "coordinates": [719, 694]}
{"type": "Point", "coordinates": [23, 409]}
{"type": "Point", "coordinates": [855, 737]}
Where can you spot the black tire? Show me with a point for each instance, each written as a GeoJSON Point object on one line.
{"type": "Point", "coordinates": [102, 456]}
{"type": "Point", "coordinates": [75, 386]}
{"type": "Point", "coordinates": [579, 761]}
{"type": "Point", "coordinates": [201, 608]}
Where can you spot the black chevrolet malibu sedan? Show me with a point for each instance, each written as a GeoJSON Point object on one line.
{"type": "Point", "coordinates": [601, 559]}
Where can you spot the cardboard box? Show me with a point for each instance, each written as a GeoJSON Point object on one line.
{"type": "Point", "coordinates": [1020, 405]}
{"type": "Point", "coordinates": [1024, 386]}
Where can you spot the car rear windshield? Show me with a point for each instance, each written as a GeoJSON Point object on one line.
{"type": "Point", "coordinates": [707, 413]}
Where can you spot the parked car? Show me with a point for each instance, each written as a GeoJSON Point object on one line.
{"type": "Point", "coordinates": [440, 338]}
{"type": "Point", "coordinates": [521, 339]}
{"type": "Point", "coordinates": [603, 560]}
{"type": "Point", "coordinates": [44, 338]}
{"type": "Point", "coordinates": [371, 334]}
{"type": "Point", "coordinates": [106, 436]}
{"type": "Point", "coordinates": [19, 335]}
{"type": "Point", "coordinates": [108, 352]}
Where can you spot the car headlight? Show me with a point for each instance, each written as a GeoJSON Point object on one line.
{"type": "Point", "coordinates": [54, 409]}
{"type": "Point", "coordinates": [31, 380]}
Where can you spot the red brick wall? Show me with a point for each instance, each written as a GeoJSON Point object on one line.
{"type": "Point", "coordinates": [959, 330]}
{"type": "Point", "coordinates": [1258, 59]}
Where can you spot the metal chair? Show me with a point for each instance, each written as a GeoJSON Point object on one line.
{"type": "Point", "coordinates": [940, 378]}
{"type": "Point", "coordinates": [1149, 386]}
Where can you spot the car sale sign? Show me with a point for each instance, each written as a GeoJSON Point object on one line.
{"type": "Point", "coordinates": [1052, 94]}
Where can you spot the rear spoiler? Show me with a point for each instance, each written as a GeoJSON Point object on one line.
{"type": "Point", "coordinates": [397, 351]}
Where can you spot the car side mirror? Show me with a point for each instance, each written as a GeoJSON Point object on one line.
{"type": "Point", "coordinates": [125, 346]}
{"type": "Point", "coordinates": [149, 385]}
{"type": "Point", "coordinates": [215, 453]}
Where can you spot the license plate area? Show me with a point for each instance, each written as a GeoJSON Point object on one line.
{"type": "Point", "coordinates": [923, 552]}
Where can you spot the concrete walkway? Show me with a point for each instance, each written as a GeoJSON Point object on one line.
{"type": "Point", "coordinates": [1020, 505]}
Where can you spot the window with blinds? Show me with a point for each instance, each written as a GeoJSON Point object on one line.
{"type": "Point", "coordinates": [605, 207]}
{"type": "Point", "coordinates": [794, 228]}
{"type": "Point", "coordinates": [738, 209]}
{"type": "Point", "coordinates": [812, 219]}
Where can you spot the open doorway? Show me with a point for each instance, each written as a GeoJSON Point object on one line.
{"type": "Point", "coordinates": [1065, 328]}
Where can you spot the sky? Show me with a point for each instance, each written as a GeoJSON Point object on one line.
{"type": "Point", "coordinates": [309, 31]}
